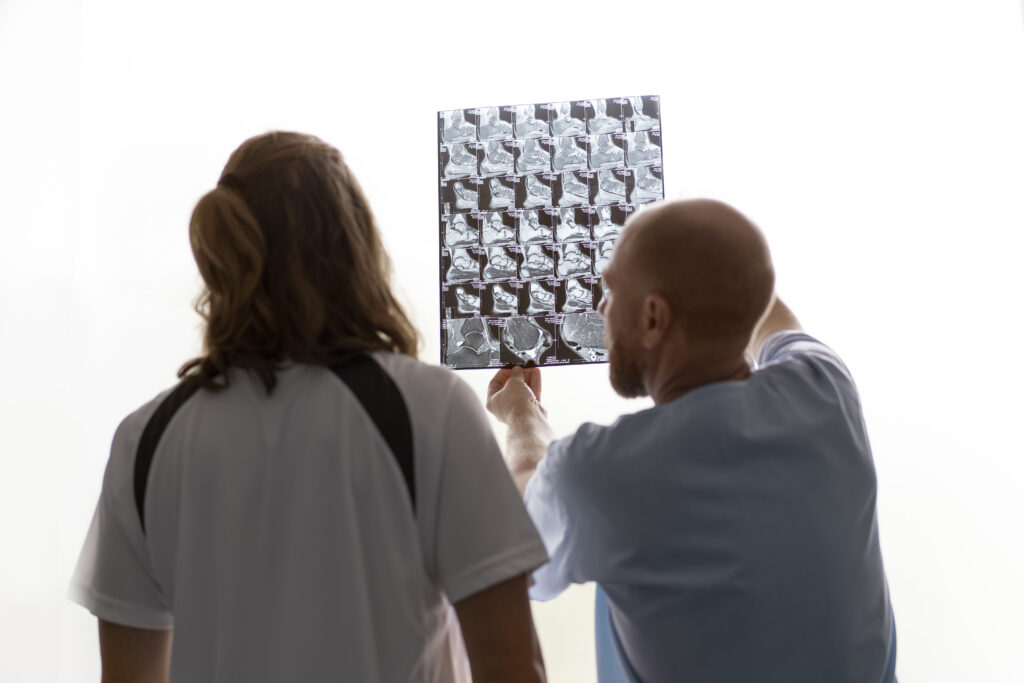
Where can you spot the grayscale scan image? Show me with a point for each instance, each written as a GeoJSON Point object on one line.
{"type": "Point", "coordinates": [531, 199]}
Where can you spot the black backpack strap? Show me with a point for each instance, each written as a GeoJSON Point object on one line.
{"type": "Point", "coordinates": [383, 402]}
{"type": "Point", "coordinates": [375, 390]}
{"type": "Point", "coordinates": [151, 437]}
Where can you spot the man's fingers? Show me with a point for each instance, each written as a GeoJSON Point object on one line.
{"type": "Point", "coordinates": [529, 376]}
{"type": "Point", "coordinates": [499, 381]}
{"type": "Point", "coordinates": [532, 379]}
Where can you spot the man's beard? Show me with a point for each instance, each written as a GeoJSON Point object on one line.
{"type": "Point", "coordinates": [624, 370]}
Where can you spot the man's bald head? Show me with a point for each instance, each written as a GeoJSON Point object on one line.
{"type": "Point", "coordinates": [710, 263]}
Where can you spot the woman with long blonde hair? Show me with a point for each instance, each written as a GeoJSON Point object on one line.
{"type": "Point", "coordinates": [309, 499]}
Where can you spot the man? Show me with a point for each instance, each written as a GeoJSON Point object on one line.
{"type": "Point", "coordinates": [731, 528]}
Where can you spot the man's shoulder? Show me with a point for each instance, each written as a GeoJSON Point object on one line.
{"type": "Point", "coordinates": [798, 350]}
{"type": "Point", "coordinates": [787, 344]}
{"type": "Point", "coordinates": [596, 448]}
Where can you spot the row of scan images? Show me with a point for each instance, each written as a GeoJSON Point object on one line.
{"type": "Point", "coordinates": [516, 297]}
{"type": "Point", "coordinates": [570, 188]}
{"type": "Point", "coordinates": [526, 262]}
{"type": "Point", "coordinates": [579, 117]}
{"type": "Point", "coordinates": [534, 226]}
{"type": "Point", "coordinates": [538, 155]}
{"type": "Point", "coordinates": [542, 339]}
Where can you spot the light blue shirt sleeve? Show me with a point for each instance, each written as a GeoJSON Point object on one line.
{"type": "Point", "coordinates": [557, 500]}
{"type": "Point", "coordinates": [789, 345]}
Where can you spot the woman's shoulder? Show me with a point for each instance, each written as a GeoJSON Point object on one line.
{"type": "Point", "coordinates": [414, 377]}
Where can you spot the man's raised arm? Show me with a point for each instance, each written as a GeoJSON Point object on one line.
{"type": "Point", "coordinates": [778, 317]}
{"type": "Point", "coordinates": [513, 396]}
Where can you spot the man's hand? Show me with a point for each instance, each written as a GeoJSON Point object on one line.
{"type": "Point", "coordinates": [513, 396]}
{"type": "Point", "coordinates": [514, 390]}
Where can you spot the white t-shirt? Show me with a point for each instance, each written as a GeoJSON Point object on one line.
{"type": "Point", "coordinates": [280, 542]}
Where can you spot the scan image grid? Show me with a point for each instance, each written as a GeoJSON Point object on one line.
{"type": "Point", "coordinates": [532, 198]}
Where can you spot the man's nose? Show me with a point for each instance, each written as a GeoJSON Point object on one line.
{"type": "Point", "coordinates": [600, 307]}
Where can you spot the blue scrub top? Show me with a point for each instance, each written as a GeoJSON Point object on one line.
{"type": "Point", "coordinates": [732, 531]}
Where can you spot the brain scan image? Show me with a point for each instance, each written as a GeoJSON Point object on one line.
{"type": "Point", "coordinates": [574, 192]}
{"type": "Point", "coordinates": [526, 339]}
{"type": "Point", "coordinates": [531, 200]}
{"type": "Point", "coordinates": [648, 187]}
{"type": "Point", "coordinates": [470, 344]}
{"type": "Point", "coordinates": [564, 123]}
{"type": "Point", "coordinates": [568, 229]}
{"type": "Point", "coordinates": [602, 254]}
{"type": "Point", "coordinates": [533, 157]}
{"type": "Point", "coordinates": [606, 226]}
{"type": "Point", "coordinates": [499, 265]}
{"type": "Point", "coordinates": [529, 124]}
{"type": "Point", "coordinates": [537, 193]}
{"type": "Point", "coordinates": [492, 126]}
{"type": "Point", "coordinates": [531, 229]}
{"type": "Point", "coordinates": [582, 335]}
{"type": "Point", "coordinates": [569, 155]}
{"type": "Point", "coordinates": [610, 188]}
{"type": "Point", "coordinates": [604, 153]}
{"type": "Point", "coordinates": [498, 229]}
{"type": "Point", "coordinates": [642, 152]}
{"type": "Point", "coordinates": [503, 301]}
{"type": "Point", "coordinates": [536, 298]}
{"type": "Point", "coordinates": [499, 195]}
{"type": "Point", "coordinates": [638, 119]}
{"type": "Point", "coordinates": [459, 233]}
{"type": "Point", "coordinates": [455, 127]}
{"type": "Point", "coordinates": [497, 160]}
{"type": "Point", "coordinates": [536, 263]}
{"type": "Point", "coordinates": [577, 296]}
{"type": "Point", "coordinates": [464, 266]}
{"type": "Point", "coordinates": [572, 261]}
{"type": "Point", "coordinates": [601, 122]}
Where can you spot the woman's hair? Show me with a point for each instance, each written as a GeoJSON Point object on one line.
{"type": "Point", "coordinates": [293, 264]}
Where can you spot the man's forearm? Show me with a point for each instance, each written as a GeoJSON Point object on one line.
{"type": "Point", "coordinates": [778, 317]}
{"type": "Point", "coordinates": [528, 437]}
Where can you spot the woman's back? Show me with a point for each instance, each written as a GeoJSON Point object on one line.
{"type": "Point", "coordinates": [280, 539]}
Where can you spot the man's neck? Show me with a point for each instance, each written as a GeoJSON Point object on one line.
{"type": "Point", "coordinates": [672, 383]}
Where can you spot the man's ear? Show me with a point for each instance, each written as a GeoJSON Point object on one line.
{"type": "Point", "coordinates": [656, 321]}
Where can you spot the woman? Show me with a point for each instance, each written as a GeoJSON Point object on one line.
{"type": "Point", "coordinates": [306, 502]}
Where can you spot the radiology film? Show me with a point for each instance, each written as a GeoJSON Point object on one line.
{"type": "Point", "coordinates": [532, 198]}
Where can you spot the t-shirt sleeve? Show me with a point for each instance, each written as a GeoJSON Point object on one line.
{"type": "Point", "coordinates": [559, 499]}
{"type": "Point", "coordinates": [483, 535]}
{"type": "Point", "coordinates": [789, 345]}
{"type": "Point", "coordinates": [114, 578]}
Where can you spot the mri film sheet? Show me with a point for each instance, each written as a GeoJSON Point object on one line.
{"type": "Point", "coordinates": [531, 200]}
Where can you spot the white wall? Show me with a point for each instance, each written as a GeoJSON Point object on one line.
{"type": "Point", "coordinates": [879, 144]}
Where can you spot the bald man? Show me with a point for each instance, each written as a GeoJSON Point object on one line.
{"type": "Point", "coordinates": [731, 528]}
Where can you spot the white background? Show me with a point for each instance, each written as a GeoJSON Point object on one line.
{"type": "Point", "coordinates": [878, 143]}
